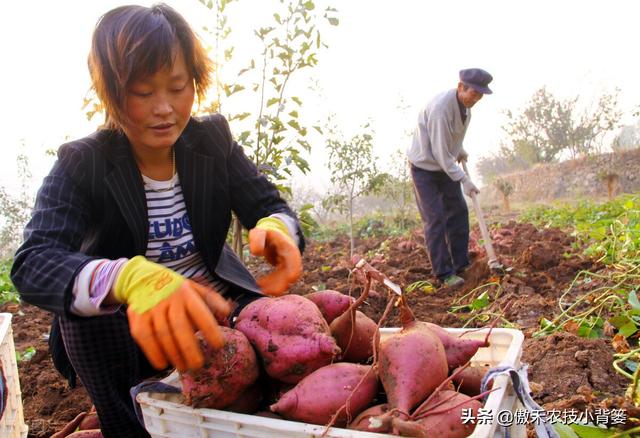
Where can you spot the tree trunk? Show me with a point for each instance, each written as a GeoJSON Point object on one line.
{"type": "Point", "coordinates": [612, 185]}
{"type": "Point", "coordinates": [505, 203]}
{"type": "Point", "coordinates": [350, 226]}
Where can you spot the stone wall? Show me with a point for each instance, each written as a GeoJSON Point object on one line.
{"type": "Point", "coordinates": [584, 177]}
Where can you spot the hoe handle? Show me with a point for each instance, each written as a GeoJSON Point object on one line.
{"type": "Point", "coordinates": [488, 245]}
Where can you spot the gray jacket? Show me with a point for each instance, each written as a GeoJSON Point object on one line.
{"type": "Point", "coordinates": [437, 140]}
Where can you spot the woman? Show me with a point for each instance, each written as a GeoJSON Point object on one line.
{"type": "Point", "coordinates": [137, 214]}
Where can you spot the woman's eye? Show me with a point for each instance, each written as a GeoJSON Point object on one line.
{"type": "Point", "coordinates": [141, 93]}
{"type": "Point", "coordinates": [178, 89]}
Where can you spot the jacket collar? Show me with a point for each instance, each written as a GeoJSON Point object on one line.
{"type": "Point", "coordinates": [125, 184]}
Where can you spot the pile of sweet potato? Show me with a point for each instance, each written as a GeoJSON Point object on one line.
{"type": "Point", "coordinates": [317, 359]}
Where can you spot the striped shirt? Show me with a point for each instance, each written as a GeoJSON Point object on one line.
{"type": "Point", "coordinates": [170, 240]}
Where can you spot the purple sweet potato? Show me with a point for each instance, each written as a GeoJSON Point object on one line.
{"type": "Point", "coordinates": [89, 422]}
{"type": "Point", "coordinates": [226, 374]}
{"type": "Point", "coordinates": [317, 397]}
{"type": "Point", "coordinates": [469, 379]}
{"type": "Point", "coordinates": [376, 419]}
{"type": "Point", "coordinates": [290, 335]}
{"type": "Point", "coordinates": [355, 339]}
{"type": "Point", "coordinates": [331, 303]}
{"type": "Point", "coordinates": [442, 417]}
{"type": "Point", "coordinates": [412, 363]}
{"type": "Point", "coordinates": [70, 426]}
{"type": "Point", "coordinates": [459, 350]}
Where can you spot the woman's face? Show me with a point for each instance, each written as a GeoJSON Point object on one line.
{"type": "Point", "coordinates": [158, 107]}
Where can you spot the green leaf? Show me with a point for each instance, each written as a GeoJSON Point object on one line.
{"type": "Point", "coordinates": [481, 302]}
{"type": "Point", "coordinates": [272, 101]}
{"type": "Point", "coordinates": [564, 431]}
{"type": "Point", "coordinates": [240, 116]}
{"type": "Point", "coordinates": [26, 355]}
{"type": "Point", "coordinates": [592, 431]}
{"type": "Point", "coordinates": [546, 324]}
{"type": "Point", "coordinates": [293, 113]}
{"type": "Point", "coordinates": [628, 329]}
{"type": "Point", "coordinates": [590, 331]}
{"type": "Point", "coordinates": [619, 321]}
{"type": "Point", "coordinates": [333, 21]}
{"type": "Point", "coordinates": [296, 100]}
{"type": "Point", "coordinates": [294, 125]}
{"type": "Point", "coordinates": [633, 300]}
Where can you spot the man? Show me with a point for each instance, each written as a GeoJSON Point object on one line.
{"type": "Point", "coordinates": [436, 146]}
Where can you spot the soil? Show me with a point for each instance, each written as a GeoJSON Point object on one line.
{"type": "Point", "coordinates": [565, 371]}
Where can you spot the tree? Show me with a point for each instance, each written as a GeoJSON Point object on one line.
{"type": "Point", "coordinates": [505, 188]}
{"type": "Point", "coordinates": [396, 187]}
{"type": "Point", "coordinates": [353, 171]}
{"type": "Point", "coordinates": [15, 210]}
{"type": "Point", "coordinates": [627, 138]}
{"type": "Point", "coordinates": [548, 126]}
{"type": "Point", "coordinates": [272, 130]}
{"type": "Point", "coordinates": [492, 166]}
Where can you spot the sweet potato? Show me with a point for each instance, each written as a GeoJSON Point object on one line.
{"type": "Point", "coordinates": [70, 426]}
{"type": "Point", "coordinates": [412, 363]}
{"type": "Point", "coordinates": [442, 419]}
{"type": "Point", "coordinates": [317, 397]}
{"type": "Point", "coordinates": [226, 374]}
{"type": "Point", "coordinates": [375, 419]}
{"type": "Point", "coordinates": [459, 350]}
{"type": "Point", "coordinates": [355, 338]}
{"type": "Point", "coordinates": [90, 422]}
{"type": "Point", "coordinates": [290, 335]}
{"type": "Point", "coordinates": [331, 303]}
{"type": "Point", "coordinates": [468, 380]}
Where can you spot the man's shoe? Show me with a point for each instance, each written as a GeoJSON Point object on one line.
{"type": "Point", "coordinates": [453, 281]}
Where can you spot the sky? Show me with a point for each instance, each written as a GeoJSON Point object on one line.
{"type": "Point", "coordinates": [381, 55]}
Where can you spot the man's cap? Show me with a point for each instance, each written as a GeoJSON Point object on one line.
{"type": "Point", "coordinates": [477, 79]}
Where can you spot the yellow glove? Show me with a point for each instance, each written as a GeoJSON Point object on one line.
{"type": "Point", "coordinates": [165, 310]}
{"type": "Point", "coordinates": [143, 284]}
{"type": "Point", "coordinates": [270, 238]}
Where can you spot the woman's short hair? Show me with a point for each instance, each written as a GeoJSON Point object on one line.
{"type": "Point", "coordinates": [133, 42]}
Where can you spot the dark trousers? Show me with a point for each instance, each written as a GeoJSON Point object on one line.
{"type": "Point", "coordinates": [446, 220]}
{"type": "Point", "coordinates": [108, 363]}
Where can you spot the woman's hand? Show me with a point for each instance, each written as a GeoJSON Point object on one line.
{"type": "Point", "coordinates": [165, 311]}
{"type": "Point", "coordinates": [271, 239]}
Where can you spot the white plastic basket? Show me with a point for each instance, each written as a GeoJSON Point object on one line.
{"type": "Point", "coordinates": [12, 421]}
{"type": "Point", "coordinates": [165, 418]}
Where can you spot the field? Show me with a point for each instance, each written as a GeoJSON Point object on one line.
{"type": "Point", "coordinates": [570, 285]}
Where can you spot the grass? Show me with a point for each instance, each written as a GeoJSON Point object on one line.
{"type": "Point", "coordinates": [8, 292]}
